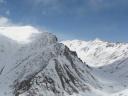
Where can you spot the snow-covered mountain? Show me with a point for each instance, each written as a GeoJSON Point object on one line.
{"type": "Point", "coordinates": [109, 63]}
{"type": "Point", "coordinates": [45, 67]}
{"type": "Point", "coordinates": [97, 52]}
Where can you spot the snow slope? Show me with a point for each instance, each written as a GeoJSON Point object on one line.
{"type": "Point", "coordinates": [98, 53]}
{"type": "Point", "coordinates": [45, 67]}
{"type": "Point", "coordinates": [109, 63]}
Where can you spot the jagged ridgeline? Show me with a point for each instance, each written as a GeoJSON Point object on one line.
{"type": "Point", "coordinates": [45, 67]}
{"type": "Point", "coordinates": [42, 67]}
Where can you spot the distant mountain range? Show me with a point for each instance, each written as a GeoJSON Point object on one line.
{"type": "Point", "coordinates": [97, 52]}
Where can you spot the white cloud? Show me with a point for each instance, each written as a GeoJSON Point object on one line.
{"type": "Point", "coordinates": [19, 33]}
{"type": "Point", "coordinates": [4, 21]}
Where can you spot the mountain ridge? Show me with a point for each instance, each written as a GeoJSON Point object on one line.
{"type": "Point", "coordinates": [98, 52]}
{"type": "Point", "coordinates": [44, 64]}
{"type": "Point", "coordinates": [45, 67]}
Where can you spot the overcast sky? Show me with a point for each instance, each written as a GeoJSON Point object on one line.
{"type": "Point", "coordinates": [71, 19]}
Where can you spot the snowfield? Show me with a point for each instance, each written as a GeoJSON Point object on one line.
{"type": "Point", "coordinates": [98, 53]}
{"type": "Point", "coordinates": [45, 67]}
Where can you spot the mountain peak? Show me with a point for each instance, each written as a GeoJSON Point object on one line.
{"type": "Point", "coordinates": [45, 67]}
{"type": "Point", "coordinates": [98, 52]}
{"type": "Point", "coordinates": [97, 40]}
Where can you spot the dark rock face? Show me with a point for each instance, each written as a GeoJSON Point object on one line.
{"type": "Point", "coordinates": [22, 87]}
{"type": "Point", "coordinates": [59, 77]}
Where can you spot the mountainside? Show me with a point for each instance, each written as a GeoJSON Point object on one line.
{"type": "Point", "coordinates": [45, 67]}
{"type": "Point", "coordinates": [98, 53]}
{"type": "Point", "coordinates": [109, 63]}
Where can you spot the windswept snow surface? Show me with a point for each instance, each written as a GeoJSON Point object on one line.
{"type": "Point", "coordinates": [45, 67]}
{"type": "Point", "coordinates": [97, 52]}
